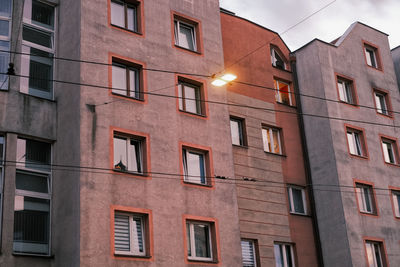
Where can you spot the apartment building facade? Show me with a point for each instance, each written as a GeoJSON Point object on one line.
{"type": "Point", "coordinates": [109, 148]}
{"type": "Point", "coordinates": [351, 130]}
{"type": "Point", "coordinates": [275, 212]}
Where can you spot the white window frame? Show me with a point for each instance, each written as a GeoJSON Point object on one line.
{"type": "Point", "coordinates": [370, 55]}
{"type": "Point", "coordinates": [250, 245]}
{"type": "Point", "coordinates": [268, 131]}
{"type": "Point", "coordinates": [278, 93]}
{"type": "Point", "coordinates": [192, 240]}
{"type": "Point", "coordinates": [26, 45]}
{"type": "Point", "coordinates": [140, 148]}
{"type": "Point", "coordinates": [191, 179]}
{"type": "Point", "coordinates": [133, 252]}
{"type": "Point", "coordinates": [365, 193]}
{"type": "Point", "coordinates": [373, 249]}
{"type": "Point", "coordinates": [182, 98]}
{"type": "Point", "coordinates": [395, 199]}
{"type": "Point", "coordinates": [282, 248]}
{"type": "Point", "coordinates": [23, 167]}
{"type": "Point", "coordinates": [356, 142]}
{"type": "Point", "coordinates": [7, 40]}
{"type": "Point", "coordinates": [291, 199]}
{"type": "Point", "coordinates": [381, 100]}
{"type": "Point", "coordinates": [126, 5]}
{"type": "Point", "coordinates": [138, 94]}
{"type": "Point", "coordinates": [346, 91]}
{"type": "Point", "coordinates": [240, 131]}
{"type": "Point", "coordinates": [177, 24]}
{"type": "Point", "coordinates": [389, 148]}
{"type": "Point", "coordinates": [274, 54]}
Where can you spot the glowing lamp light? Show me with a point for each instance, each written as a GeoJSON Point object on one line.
{"type": "Point", "coordinates": [224, 79]}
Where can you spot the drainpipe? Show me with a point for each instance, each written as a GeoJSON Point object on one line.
{"type": "Point", "coordinates": [306, 160]}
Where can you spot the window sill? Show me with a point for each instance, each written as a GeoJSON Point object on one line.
{"type": "Point", "coordinates": [375, 68]}
{"type": "Point", "coordinates": [202, 185]}
{"type": "Point", "coordinates": [132, 173]}
{"type": "Point", "coordinates": [126, 30]}
{"type": "Point", "coordinates": [38, 97]}
{"type": "Point", "coordinates": [285, 70]}
{"type": "Point", "coordinates": [131, 256]}
{"type": "Point", "coordinates": [359, 156]}
{"type": "Point", "coordinates": [203, 261]}
{"type": "Point", "coordinates": [193, 114]}
{"type": "Point", "coordinates": [385, 115]}
{"type": "Point", "coordinates": [128, 97]}
{"type": "Point", "coordinates": [276, 154]}
{"type": "Point", "coordinates": [17, 254]}
{"type": "Point", "coordinates": [240, 146]}
{"type": "Point", "coordinates": [369, 214]}
{"type": "Point", "coordinates": [350, 104]}
{"type": "Point", "coordinates": [286, 105]}
{"type": "Point", "coordinates": [300, 214]}
{"type": "Point", "coordinates": [392, 164]}
{"type": "Point", "coordinates": [188, 50]}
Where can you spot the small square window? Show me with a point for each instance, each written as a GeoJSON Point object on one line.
{"type": "Point", "coordinates": [237, 131]}
{"type": "Point", "coordinates": [277, 59]}
{"type": "Point", "coordinates": [200, 238]}
{"type": "Point", "coordinates": [191, 96]}
{"type": "Point", "coordinates": [365, 198]}
{"type": "Point", "coordinates": [249, 253]}
{"type": "Point", "coordinates": [375, 254]}
{"type": "Point", "coordinates": [127, 80]}
{"type": "Point", "coordinates": [283, 92]}
{"type": "Point", "coordinates": [396, 202]}
{"type": "Point", "coordinates": [346, 91]}
{"type": "Point", "coordinates": [356, 142]}
{"type": "Point", "coordinates": [272, 140]}
{"type": "Point", "coordinates": [390, 152]}
{"type": "Point", "coordinates": [372, 56]}
{"type": "Point", "coordinates": [126, 15]}
{"type": "Point", "coordinates": [129, 154]}
{"type": "Point", "coordinates": [130, 233]}
{"type": "Point", "coordinates": [297, 200]}
{"type": "Point", "coordinates": [32, 154]}
{"type": "Point", "coordinates": [382, 102]}
{"type": "Point", "coordinates": [284, 255]}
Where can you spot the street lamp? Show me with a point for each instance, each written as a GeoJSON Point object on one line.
{"type": "Point", "coordinates": [224, 79]}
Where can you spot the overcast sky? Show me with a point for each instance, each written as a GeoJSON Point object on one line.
{"type": "Point", "coordinates": [327, 25]}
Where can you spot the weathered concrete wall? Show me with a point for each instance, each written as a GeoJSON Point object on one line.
{"type": "Point", "coordinates": [396, 61]}
{"type": "Point", "coordinates": [342, 227]}
{"type": "Point", "coordinates": [166, 126]}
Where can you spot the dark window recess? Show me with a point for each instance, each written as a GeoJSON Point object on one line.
{"type": "Point", "coordinates": [42, 13]}
{"type": "Point", "coordinates": [38, 151]}
{"type": "Point", "coordinates": [35, 36]}
{"type": "Point", "coordinates": [40, 76]}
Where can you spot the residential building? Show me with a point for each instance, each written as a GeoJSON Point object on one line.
{"type": "Point", "coordinates": [274, 200]}
{"type": "Point", "coordinates": [396, 59]}
{"type": "Point", "coordinates": [109, 148]}
{"type": "Point", "coordinates": [349, 102]}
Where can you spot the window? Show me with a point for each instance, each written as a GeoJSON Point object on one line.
{"type": "Point", "coordinates": [346, 91]}
{"type": "Point", "coordinates": [129, 234]}
{"type": "Point", "coordinates": [2, 158]}
{"type": "Point", "coordinates": [356, 142]}
{"type": "Point", "coordinates": [390, 152]}
{"type": "Point", "coordinates": [277, 59]}
{"type": "Point", "coordinates": [194, 166]}
{"type": "Point", "coordinates": [284, 256]}
{"type": "Point", "coordinates": [199, 241]}
{"type": "Point", "coordinates": [5, 33]}
{"type": "Point", "coordinates": [365, 198]}
{"type": "Point", "coordinates": [190, 97]}
{"type": "Point", "coordinates": [32, 198]}
{"type": "Point", "coordinates": [126, 80]}
{"type": "Point", "coordinates": [237, 131]}
{"type": "Point", "coordinates": [249, 257]}
{"type": "Point", "coordinates": [38, 42]}
{"type": "Point", "coordinates": [382, 103]}
{"type": "Point", "coordinates": [272, 140]}
{"type": "Point", "coordinates": [375, 254]}
{"type": "Point", "coordinates": [129, 154]}
{"type": "Point", "coordinates": [396, 202]}
{"type": "Point", "coordinates": [297, 200]}
{"type": "Point", "coordinates": [372, 56]}
{"type": "Point", "coordinates": [126, 15]}
{"type": "Point", "coordinates": [186, 33]}
{"type": "Point", "coordinates": [283, 93]}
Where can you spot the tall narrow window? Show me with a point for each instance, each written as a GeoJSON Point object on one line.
{"type": "Point", "coordinates": [249, 255]}
{"type": "Point", "coordinates": [375, 254]}
{"type": "Point", "coordinates": [356, 142]}
{"type": "Point", "coordinates": [2, 159]}
{"type": "Point", "coordinates": [190, 97]}
{"type": "Point", "coordinates": [128, 154]}
{"type": "Point", "coordinates": [396, 202]}
{"type": "Point", "coordinates": [277, 59]}
{"type": "Point", "coordinates": [283, 93]}
{"type": "Point", "coordinates": [297, 200]}
{"type": "Point", "coordinates": [199, 241]}
{"type": "Point", "coordinates": [237, 131]}
{"type": "Point", "coordinates": [365, 198]}
{"type": "Point", "coordinates": [38, 48]}
{"type": "Point", "coordinates": [272, 140]}
{"type": "Point", "coordinates": [130, 234]}
{"type": "Point", "coordinates": [124, 14]}
{"type": "Point", "coordinates": [185, 35]}
{"type": "Point", "coordinates": [284, 255]}
{"type": "Point", "coordinates": [194, 166]}
{"type": "Point", "coordinates": [372, 56]}
{"type": "Point", "coordinates": [390, 152]}
{"type": "Point", "coordinates": [346, 91]}
{"type": "Point", "coordinates": [126, 80]}
{"type": "Point", "coordinates": [382, 102]}
{"type": "Point", "coordinates": [5, 34]}
{"type": "Point", "coordinates": [32, 198]}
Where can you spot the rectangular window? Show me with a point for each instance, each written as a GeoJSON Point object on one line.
{"type": "Point", "coordinates": [129, 154]}
{"type": "Point", "coordinates": [130, 233]}
{"type": "Point", "coordinates": [346, 91]}
{"type": "Point", "coordinates": [249, 255]}
{"type": "Point", "coordinates": [194, 166]}
{"type": "Point", "coordinates": [237, 131]}
{"type": "Point", "coordinates": [390, 152]}
{"type": "Point", "coordinates": [5, 34]}
{"type": "Point", "coordinates": [283, 93]}
{"type": "Point", "coordinates": [126, 80]}
{"type": "Point", "coordinates": [126, 14]}
{"type": "Point", "coordinates": [277, 59]}
{"type": "Point", "coordinates": [365, 198]}
{"type": "Point", "coordinates": [284, 255]}
{"type": "Point", "coordinates": [185, 35]}
{"type": "Point", "coordinates": [382, 102]}
{"type": "Point", "coordinates": [297, 200]}
{"type": "Point", "coordinates": [375, 254]}
{"type": "Point", "coordinates": [190, 97]}
{"type": "Point", "coordinates": [356, 142]}
{"type": "Point", "coordinates": [2, 159]}
{"type": "Point", "coordinates": [272, 140]}
{"type": "Point", "coordinates": [199, 241]}
{"type": "Point", "coordinates": [396, 202]}
{"type": "Point", "coordinates": [38, 48]}
{"type": "Point", "coordinates": [372, 56]}
{"type": "Point", "coordinates": [32, 198]}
